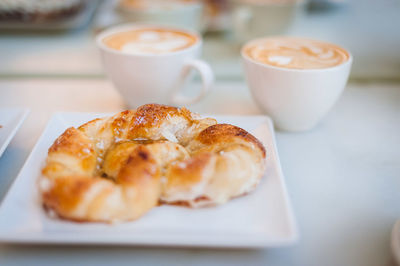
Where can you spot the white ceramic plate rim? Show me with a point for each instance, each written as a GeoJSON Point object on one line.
{"type": "Point", "coordinates": [240, 240]}
{"type": "Point", "coordinates": [23, 114]}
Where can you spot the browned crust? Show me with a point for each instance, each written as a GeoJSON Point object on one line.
{"type": "Point", "coordinates": [71, 141]}
{"type": "Point", "coordinates": [122, 122]}
{"type": "Point", "coordinates": [220, 133]}
{"type": "Point", "coordinates": [67, 192]}
{"type": "Point", "coordinates": [150, 116]}
{"type": "Point", "coordinates": [140, 121]}
{"type": "Point", "coordinates": [140, 168]}
{"type": "Point", "coordinates": [75, 143]}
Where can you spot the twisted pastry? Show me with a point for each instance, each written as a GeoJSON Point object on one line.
{"type": "Point", "coordinates": [118, 168]}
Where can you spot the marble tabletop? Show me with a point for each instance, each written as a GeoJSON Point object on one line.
{"type": "Point", "coordinates": [343, 176]}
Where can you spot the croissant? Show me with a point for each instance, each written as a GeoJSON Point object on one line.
{"type": "Point", "coordinates": [118, 168]}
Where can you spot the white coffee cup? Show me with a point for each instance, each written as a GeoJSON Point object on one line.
{"type": "Point", "coordinates": [154, 78]}
{"type": "Point", "coordinates": [296, 99]}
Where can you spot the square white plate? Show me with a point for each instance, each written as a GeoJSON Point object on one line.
{"type": "Point", "coordinates": [10, 120]}
{"type": "Point", "coordinates": [261, 219]}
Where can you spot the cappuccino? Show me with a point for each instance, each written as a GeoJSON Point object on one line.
{"type": "Point", "coordinates": [296, 53]}
{"type": "Point", "coordinates": [150, 41]}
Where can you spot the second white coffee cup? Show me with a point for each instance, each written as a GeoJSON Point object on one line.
{"type": "Point", "coordinates": [296, 99]}
{"type": "Point", "coordinates": [154, 78]}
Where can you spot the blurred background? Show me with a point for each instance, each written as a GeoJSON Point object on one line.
{"type": "Point", "coordinates": [343, 177]}
{"type": "Point", "coordinates": [48, 38]}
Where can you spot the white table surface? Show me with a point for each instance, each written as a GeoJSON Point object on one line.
{"type": "Point", "coordinates": [343, 177]}
{"type": "Point", "coordinates": [369, 29]}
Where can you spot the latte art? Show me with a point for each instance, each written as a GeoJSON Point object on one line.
{"type": "Point", "coordinates": [150, 41]}
{"type": "Point", "coordinates": [296, 53]}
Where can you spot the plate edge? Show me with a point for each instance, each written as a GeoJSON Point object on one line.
{"type": "Point", "coordinates": [288, 202]}
{"type": "Point", "coordinates": [289, 210]}
{"type": "Point", "coordinates": [24, 114]}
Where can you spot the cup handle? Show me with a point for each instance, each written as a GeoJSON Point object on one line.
{"type": "Point", "coordinates": [241, 18]}
{"type": "Point", "coordinates": [207, 78]}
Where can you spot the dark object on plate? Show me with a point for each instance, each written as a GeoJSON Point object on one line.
{"type": "Point", "coordinates": [39, 11]}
